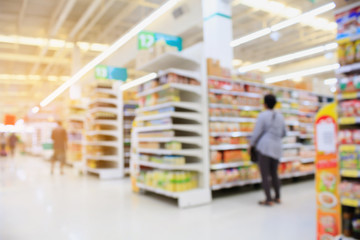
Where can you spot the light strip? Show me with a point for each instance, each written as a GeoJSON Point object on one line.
{"type": "Point", "coordinates": [32, 77]}
{"type": "Point", "coordinates": [138, 81]}
{"type": "Point", "coordinates": [289, 57]}
{"type": "Point", "coordinates": [35, 110]}
{"type": "Point", "coordinates": [282, 25]}
{"type": "Point", "coordinates": [115, 46]}
{"type": "Point", "coordinates": [330, 81]}
{"type": "Point", "coordinates": [303, 73]}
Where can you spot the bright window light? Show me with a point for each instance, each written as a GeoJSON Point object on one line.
{"type": "Point", "coordinates": [289, 57]}
{"type": "Point", "coordinates": [138, 81]}
{"type": "Point", "coordinates": [330, 81]}
{"type": "Point", "coordinates": [109, 51]}
{"type": "Point", "coordinates": [303, 18]}
{"type": "Point", "coordinates": [303, 73]}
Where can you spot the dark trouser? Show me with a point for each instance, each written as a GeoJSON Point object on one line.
{"type": "Point", "coordinates": [269, 169]}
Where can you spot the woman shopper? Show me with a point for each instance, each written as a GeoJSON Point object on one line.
{"type": "Point", "coordinates": [266, 139]}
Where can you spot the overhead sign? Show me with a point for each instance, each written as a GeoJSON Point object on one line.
{"type": "Point", "coordinates": [147, 40]}
{"type": "Point", "coordinates": [109, 72]}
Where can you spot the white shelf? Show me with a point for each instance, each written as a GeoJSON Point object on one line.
{"type": "Point", "coordinates": [180, 127]}
{"type": "Point", "coordinates": [290, 111]}
{"type": "Point", "coordinates": [230, 134]}
{"type": "Point", "coordinates": [190, 140]}
{"type": "Point", "coordinates": [129, 114]}
{"type": "Point", "coordinates": [229, 146]}
{"type": "Point", "coordinates": [292, 123]}
{"type": "Point", "coordinates": [184, 87]}
{"type": "Point", "coordinates": [232, 119]}
{"type": "Point", "coordinates": [103, 109]}
{"type": "Point", "coordinates": [106, 173]}
{"type": "Point", "coordinates": [103, 143]}
{"type": "Point", "coordinates": [113, 158]}
{"type": "Point", "coordinates": [131, 102]}
{"type": "Point", "coordinates": [348, 68]}
{"type": "Point", "coordinates": [104, 100]}
{"type": "Point", "coordinates": [182, 115]}
{"type": "Point", "coordinates": [348, 96]}
{"type": "Point", "coordinates": [158, 190]}
{"type": "Point", "coordinates": [219, 166]}
{"type": "Point", "coordinates": [309, 103]}
{"type": "Point", "coordinates": [103, 132]}
{"type": "Point", "coordinates": [229, 106]}
{"type": "Point", "coordinates": [106, 91]}
{"type": "Point", "coordinates": [291, 145]}
{"type": "Point", "coordinates": [78, 118]}
{"type": "Point", "coordinates": [235, 93]}
{"type": "Point", "coordinates": [184, 152]}
{"type": "Point", "coordinates": [288, 100]}
{"type": "Point", "coordinates": [168, 60]}
{"type": "Point", "coordinates": [304, 136]}
{"type": "Point", "coordinates": [255, 181]}
{"type": "Point", "coordinates": [106, 122]}
{"type": "Point", "coordinates": [181, 72]}
{"type": "Point", "coordinates": [312, 147]}
{"type": "Point", "coordinates": [292, 133]}
{"type": "Point", "coordinates": [186, 167]}
{"type": "Point", "coordinates": [307, 160]}
{"type": "Point", "coordinates": [79, 106]}
{"type": "Point", "coordinates": [290, 159]}
{"type": "Point", "coordinates": [184, 105]}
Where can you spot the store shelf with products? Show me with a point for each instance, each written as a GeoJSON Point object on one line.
{"type": "Point", "coordinates": [233, 107]}
{"type": "Point", "coordinates": [75, 130]}
{"type": "Point", "coordinates": [104, 153]}
{"type": "Point", "coordinates": [348, 91]}
{"type": "Point", "coordinates": [167, 136]}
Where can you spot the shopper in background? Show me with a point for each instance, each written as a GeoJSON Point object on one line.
{"type": "Point", "coordinates": [2, 145]}
{"type": "Point", "coordinates": [59, 137]}
{"type": "Point", "coordinates": [267, 139]}
{"type": "Point", "coordinates": [12, 140]}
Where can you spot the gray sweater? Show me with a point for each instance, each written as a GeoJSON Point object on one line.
{"type": "Point", "coordinates": [268, 134]}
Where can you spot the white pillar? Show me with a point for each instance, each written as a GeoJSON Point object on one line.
{"type": "Point", "coordinates": [218, 31]}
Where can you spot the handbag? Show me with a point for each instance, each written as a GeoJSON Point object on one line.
{"type": "Point", "coordinates": [253, 151]}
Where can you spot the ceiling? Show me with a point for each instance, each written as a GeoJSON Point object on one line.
{"type": "Point", "coordinates": [43, 42]}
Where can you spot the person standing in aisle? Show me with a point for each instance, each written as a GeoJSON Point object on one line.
{"type": "Point", "coordinates": [267, 140]}
{"type": "Point", "coordinates": [2, 145]}
{"type": "Point", "coordinates": [59, 137]}
{"type": "Point", "coordinates": [12, 140]}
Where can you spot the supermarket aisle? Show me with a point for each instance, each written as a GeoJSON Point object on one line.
{"type": "Point", "coordinates": [36, 205]}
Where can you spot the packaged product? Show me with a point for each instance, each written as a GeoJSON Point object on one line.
{"type": "Point", "coordinates": [346, 136]}
{"type": "Point", "coordinates": [341, 52]}
{"type": "Point", "coordinates": [357, 51]}
{"type": "Point", "coordinates": [348, 160]}
{"type": "Point", "coordinates": [215, 157]}
{"type": "Point", "coordinates": [356, 136]}
{"type": "Point", "coordinates": [350, 53]}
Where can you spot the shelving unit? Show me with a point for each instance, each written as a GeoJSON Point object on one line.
{"type": "Point", "coordinates": [233, 108]}
{"type": "Point", "coordinates": [76, 139]}
{"type": "Point", "coordinates": [168, 136]}
{"type": "Point", "coordinates": [104, 151]}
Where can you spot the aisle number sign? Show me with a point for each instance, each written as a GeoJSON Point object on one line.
{"type": "Point", "coordinates": [147, 40]}
{"type": "Point", "coordinates": [109, 72]}
{"type": "Point", "coordinates": [327, 173]}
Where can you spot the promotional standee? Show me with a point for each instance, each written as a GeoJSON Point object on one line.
{"type": "Point", "coordinates": [327, 174]}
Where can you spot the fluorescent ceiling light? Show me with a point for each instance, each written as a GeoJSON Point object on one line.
{"type": "Point", "coordinates": [109, 51]}
{"type": "Point", "coordinates": [236, 62]}
{"type": "Point", "coordinates": [31, 77]}
{"type": "Point", "coordinates": [303, 18]}
{"type": "Point", "coordinates": [52, 43]}
{"type": "Point", "coordinates": [303, 73]}
{"type": "Point", "coordinates": [265, 69]}
{"type": "Point", "coordinates": [138, 81]}
{"type": "Point", "coordinates": [330, 81]}
{"type": "Point", "coordinates": [35, 109]}
{"type": "Point", "coordinates": [250, 37]}
{"type": "Point", "coordinates": [289, 57]}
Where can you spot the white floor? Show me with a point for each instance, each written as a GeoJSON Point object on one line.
{"type": "Point", "coordinates": [36, 205]}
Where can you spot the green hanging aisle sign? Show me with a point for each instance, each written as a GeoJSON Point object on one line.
{"type": "Point", "coordinates": [147, 39]}
{"type": "Point", "coordinates": [109, 72]}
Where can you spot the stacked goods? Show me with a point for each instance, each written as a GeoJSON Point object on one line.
{"type": "Point", "coordinates": [234, 175]}
{"type": "Point", "coordinates": [228, 140]}
{"type": "Point", "coordinates": [231, 98]}
{"type": "Point", "coordinates": [168, 159]}
{"type": "Point", "coordinates": [350, 108]}
{"type": "Point", "coordinates": [223, 112]}
{"type": "Point", "coordinates": [229, 156]}
{"type": "Point", "coordinates": [349, 136]}
{"type": "Point", "coordinates": [350, 189]}
{"type": "Point", "coordinates": [232, 127]}
{"type": "Point", "coordinates": [172, 181]}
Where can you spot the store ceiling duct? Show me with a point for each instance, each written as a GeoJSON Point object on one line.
{"type": "Point", "coordinates": [289, 57]}
{"type": "Point", "coordinates": [109, 51]}
{"type": "Point", "coordinates": [283, 24]}
{"type": "Point", "coordinates": [303, 73]}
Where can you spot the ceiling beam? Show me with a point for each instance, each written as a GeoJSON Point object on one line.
{"type": "Point", "coordinates": [143, 3]}
{"type": "Point", "coordinates": [63, 15]}
{"type": "Point", "coordinates": [31, 58]}
{"type": "Point", "coordinates": [21, 14]}
{"type": "Point", "coordinates": [95, 19]}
